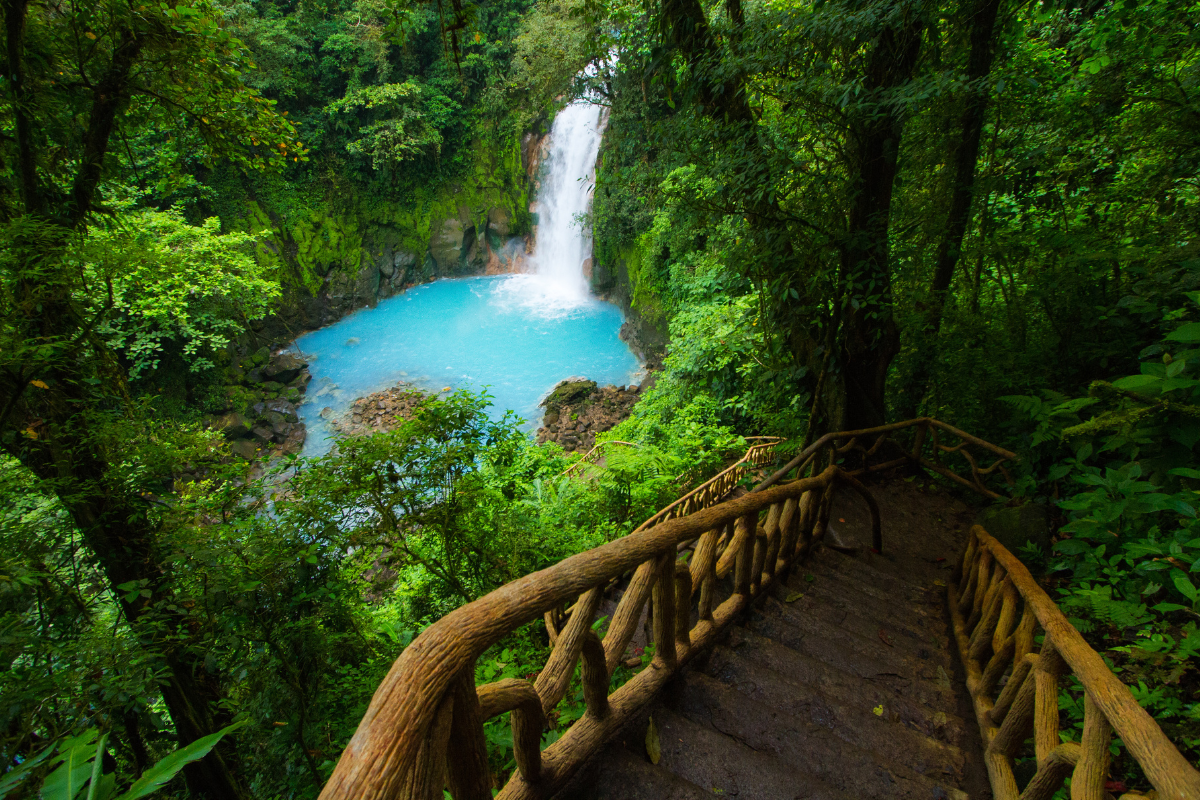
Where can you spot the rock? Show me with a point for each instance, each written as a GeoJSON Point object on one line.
{"type": "Point", "coordinates": [499, 222]}
{"type": "Point", "coordinates": [1013, 527]}
{"type": "Point", "coordinates": [446, 246]}
{"type": "Point", "coordinates": [264, 433]}
{"type": "Point", "coordinates": [326, 412]}
{"type": "Point", "coordinates": [233, 425]}
{"type": "Point", "coordinates": [352, 341]}
{"type": "Point", "coordinates": [255, 376]}
{"type": "Point", "coordinates": [244, 448]}
{"type": "Point", "coordinates": [294, 442]}
{"type": "Point", "coordinates": [301, 381]}
{"type": "Point", "coordinates": [282, 429]}
{"type": "Point", "coordinates": [284, 368]}
{"type": "Point", "coordinates": [572, 390]}
{"type": "Point", "coordinates": [282, 406]}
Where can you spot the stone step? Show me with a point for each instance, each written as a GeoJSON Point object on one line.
{"type": "Point", "coordinates": [617, 774]}
{"type": "Point", "coordinates": [902, 732]}
{"type": "Point", "coordinates": [910, 635]}
{"type": "Point", "coordinates": [879, 572]}
{"type": "Point", "coordinates": [918, 703]}
{"type": "Point", "coordinates": [702, 755]}
{"type": "Point", "coordinates": [801, 743]}
{"type": "Point", "coordinates": [903, 607]}
{"type": "Point", "coordinates": [873, 639]}
{"type": "Point", "coordinates": [869, 660]}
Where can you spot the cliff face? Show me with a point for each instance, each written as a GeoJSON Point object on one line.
{"type": "Point", "coordinates": [645, 333]}
{"type": "Point", "coordinates": [342, 251]}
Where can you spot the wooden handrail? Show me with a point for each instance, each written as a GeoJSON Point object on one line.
{"type": "Point", "coordinates": [423, 728]}
{"type": "Point", "coordinates": [592, 456]}
{"type": "Point", "coordinates": [878, 436]}
{"type": "Point", "coordinates": [394, 751]}
{"type": "Point", "coordinates": [990, 584]}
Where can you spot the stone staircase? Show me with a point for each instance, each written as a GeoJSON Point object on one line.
{"type": "Point", "coordinates": [841, 683]}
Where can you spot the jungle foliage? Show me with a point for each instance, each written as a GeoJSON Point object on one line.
{"type": "Point", "coordinates": [843, 212]}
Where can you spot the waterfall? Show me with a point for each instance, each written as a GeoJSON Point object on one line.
{"type": "Point", "coordinates": [557, 283]}
{"type": "Point", "coordinates": [563, 244]}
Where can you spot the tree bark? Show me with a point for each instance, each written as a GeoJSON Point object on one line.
{"type": "Point", "coordinates": [965, 160]}
{"type": "Point", "coordinates": [870, 338]}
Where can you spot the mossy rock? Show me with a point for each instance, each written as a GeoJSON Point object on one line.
{"type": "Point", "coordinates": [569, 392]}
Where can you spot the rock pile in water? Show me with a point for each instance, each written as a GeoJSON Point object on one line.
{"type": "Point", "coordinates": [380, 411]}
{"type": "Point", "coordinates": [258, 404]}
{"type": "Point", "coordinates": [577, 409]}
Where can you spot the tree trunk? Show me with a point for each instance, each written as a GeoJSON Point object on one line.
{"type": "Point", "coordinates": [965, 159]}
{"type": "Point", "coordinates": [870, 338]}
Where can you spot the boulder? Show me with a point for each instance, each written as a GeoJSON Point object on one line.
{"type": "Point", "coordinates": [572, 390]}
{"type": "Point", "coordinates": [1013, 527]}
{"type": "Point", "coordinates": [499, 222]}
{"type": "Point", "coordinates": [233, 425]}
{"type": "Point", "coordinates": [284, 368]}
{"type": "Point", "coordinates": [283, 407]}
{"type": "Point", "coordinates": [264, 433]}
{"type": "Point", "coordinates": [244, 448]}
{"type": "Point", "coordinates": [294, 442]}
{"type": "Point", "coordinates": [446, 245]}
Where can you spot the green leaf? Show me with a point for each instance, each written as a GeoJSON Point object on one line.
{"type": "Point", "coordinates": [1135, 381]}
{"type": "Point", "coordinates": [157, 776]}
{"type": "Point", "coordinates": [1184, 584]}
{"type": "Point", "coordinates": [95, 781]}
{"type": "Point", "coordinates": [67, 781]}
{"type": "Point", "coordinates": [21, 771]}
{"type": "Point", "coordinates": [1189, 332]}
{"type": "Point", "coordinates": [1185, 472]}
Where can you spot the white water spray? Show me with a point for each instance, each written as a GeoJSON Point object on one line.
{"type": "Point", "coordinates": [564, 243]}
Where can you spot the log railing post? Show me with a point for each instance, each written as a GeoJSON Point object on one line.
{"type": "Point", "coordinates": [428, 774]}
{"type": "Point", "coordinates": [683, 605]}
{"type": "Point", "coordinates": [527, 721]}
{"type": "Point", "coordinates": [555, 677]}
{"type": "Point", "coordinates": [1087, 781]}
{"type": "Point", "coordinates": [744, 556]}
{"type": "Point", "coordinates": [595, 677]}
{"type": "Point", "coordinates": [664, 612]}
{"type": "Point", "coordinates": [468, 773]}
{"type": "Point", "coordinates": [629, 611]}
{"type": "Point", "coordinates": [789, 523]}
{"type": "Point", "coordinates": [1045, 674]}
{"type": "Point", "coordinates": [760, 559]}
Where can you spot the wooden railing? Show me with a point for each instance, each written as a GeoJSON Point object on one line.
{"type": "Point", "coordinates": [867, 445]}
{"type": "Point", "coordinates": [593, 455]}
{"type": "Point", "coordinates": [423, 729]}
{"type": "Point", "coordinates": [997, 609]}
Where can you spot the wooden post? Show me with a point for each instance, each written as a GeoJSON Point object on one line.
{"type": "Point", "coordinates": [595, 677]}
{"type": "Point", "coordinates": [1045, 732]}
{"type": "Point", "coordinates": [555, 677]}
{"type": "Point", "coordinates": [1087, 781]}
{"type": "Point", "coordinates": [683, 604]}
{"type": "Point", "coordinates": [745, 558]}
{"type": "Point", "coordinates": [760, 559]}
{"type": "Point", "coordinates": [468, 772]}
{"type": "Point", "coordinates": [664, 611]}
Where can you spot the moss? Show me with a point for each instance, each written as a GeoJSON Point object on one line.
{"type": "Point", "coordinates": [309, 232]}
